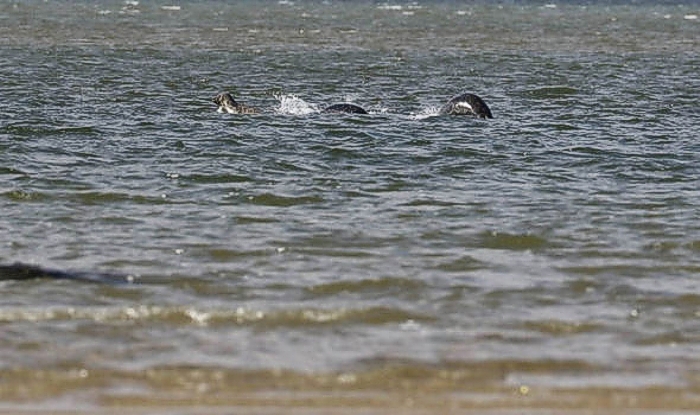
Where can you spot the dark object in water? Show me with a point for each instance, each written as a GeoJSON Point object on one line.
{"type": "Point", "coordinates": [345, 108]}
{"type": "Point", "coordinates": [226, 103]}
{"type": "Point", "coordinates": [20, 271]}
{"type": "Point", "coordinates": [467, 104]}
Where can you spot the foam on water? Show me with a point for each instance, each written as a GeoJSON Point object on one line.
{"type": "Point", "coordinates": [426, 112]}
{"type": "Point", "coordinates": [293, 105]}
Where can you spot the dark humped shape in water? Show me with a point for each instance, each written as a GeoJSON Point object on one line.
{"type": "Point", "coordinates": [226, 103]}
{"type": "Point", "coordinates": [20, 271]}
{"type": "Point", "coordinates": [344, 109]}
{"type": "Point", "coordinates": [467, 104]}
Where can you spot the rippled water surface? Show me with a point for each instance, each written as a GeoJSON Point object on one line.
{"type": "Point", "coordinates": [546, 259]}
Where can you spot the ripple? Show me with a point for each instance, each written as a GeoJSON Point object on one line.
{"type": "Point", "coordinates": [33, 130]}
{"type": "Point", "coordinates": [25, 196]}
{"type": "Point", "coordinates": [109, 198]}
{"type": "Point", "coordinates": [269, 199]}
{"type": "Point", "coordinates": [562, 328]}
{"type": "Point", "coordinates": [216, 178]}
{"type": "Point", "coordinates": [550, 249]}
{"type": "Point", "coordinates": [373, 286]}
{"type": "Point", "coordinates": [463, 264]}
{"type": "Point", "coordinates": [552, 92]}
{"type": "Point", "coordinates": [516, 242]}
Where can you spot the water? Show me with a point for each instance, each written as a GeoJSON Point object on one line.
{"type": "Point", "coordinates": [545, 260]}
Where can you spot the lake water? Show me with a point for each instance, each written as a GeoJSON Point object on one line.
{"type": "Point", "coordinates": [547, 260]}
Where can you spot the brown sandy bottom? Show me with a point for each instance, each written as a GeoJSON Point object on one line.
{"type": "Point", "coordinates": [333, 411]}
{"type": "Point", "coordinates": [392, 390]}
{"type": "Point", "coordinates": [339, 408]}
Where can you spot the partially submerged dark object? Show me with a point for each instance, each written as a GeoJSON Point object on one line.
{"type": "Point", "coordinates": [20, 271]}
{"type": "Point", "coordinates": [463, 104]}
{"type": "Point", "coordinates": [345, 108]}
{"type": "Point", "coordinates": [226, 103]}
{"type": "Point", "coordinates": [467, 104]}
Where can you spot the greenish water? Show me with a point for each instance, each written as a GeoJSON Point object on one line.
{"type": "Point", "coordinates": [551, 252]}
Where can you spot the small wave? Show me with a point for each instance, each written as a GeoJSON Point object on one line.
{"type": "Point", "coordinates": [30, 130]}
{"type": "Point", "coordinates": [462, 264]}
{"type": "Point", "coordinates": [89, 198]}
{"type": "Point", "coordinates": [269, 199]}
{"type": "Point", "coordinates": [214, 178]}
{"type": "Point", "coordinates": [184, 315]}
{"type": "Point", "coordinates": [293, 105]}
{"type": "Point", "coordinates": [18, 195]}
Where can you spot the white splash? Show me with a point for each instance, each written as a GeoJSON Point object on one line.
{"type": "Point", "coordinates": [426, 113]}
{"type": "Point", "coordinates": [293, 105]}
{"type": "Point", "coordinates": [378, 110]}
{"type": "Point", "coordinates": [390, 7]}
{"type": "Point", "coordinates": [351, 97]}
